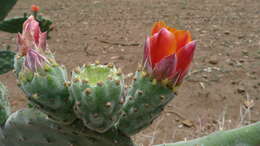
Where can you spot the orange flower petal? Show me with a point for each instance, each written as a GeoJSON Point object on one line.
{"type": "Point", "coordinates": [183, 37]}
{"type": "Point", "coordinates": [162, 44]}
{"type": "Point", "coordinates": [159, 25]}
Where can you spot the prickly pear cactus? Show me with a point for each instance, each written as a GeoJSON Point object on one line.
{"type": "Point", "coordinates": [245, 136]}
{"type": "Point", "coordinates": [45, 24]}
{"type": "Point", "coordinates": [145, 100]}
{"type": "Point", "coordinates": [98, 93]}
{"type": "Point", "coordinates": [4, 104]}
{"type": "Point", "coordinates": [5, 7]}
{"type": "Point", "coordinates": [29, 127]}
{"type": "Point", "coordinates": [46, 91]}
{"type": "Point", "coordinates": [6, 61]}
{"type": "Point", "coordinates": [14, 25]}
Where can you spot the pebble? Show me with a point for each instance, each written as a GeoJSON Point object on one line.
{"type": "Point", "coordinates": [187, 123]}
{"type": "Point", "coordinates": [241, 90]}
{"type": "Point", "coordinates": [226, 32]}
{"type": "Point", "coordinates": [245, 52]}
{"type": "Point", "coordinates": [213, 60]}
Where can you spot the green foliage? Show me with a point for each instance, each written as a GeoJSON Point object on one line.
{"type": "Point", "coordinates": [98, 99]}
{"type": "Point", "coordinates": [145, 101]}
{"type": "Point", "coordinates": [6, 61]}
{"type": "Point", "coordinates": [245, 136]}
{"type": "Point", "coordinates": [12, 25]}
{"type": "Point", "coordinates": [4, 104]}
{"type": "Point", "coordinates": [5, 7]}
{"type": "Point", "coordinates": [45, 24]}
{"type": "Point", "coordinates": [46, 91]}
{"type": "Point", "coordinates": [29, 127]}
{"type": "Point", "coordinates": [15, 25]}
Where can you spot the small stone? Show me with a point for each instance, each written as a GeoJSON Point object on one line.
{"type": "Point", "coordinates": [117, 57]}
{"type": "Point", "coordinates": [187, 123]}
{"type": "Point", "coordinates": [241, 60]}
{"type": "Point", "coordinates": [234, 82]}
{"type": "Point", "coordinates": [245, 52]}
{"type": "Point", "coordinates": [180, 126]}
{"type": "Point", "coordinates": [213, 60]}
{"type": "Point", "coordinates": [241, 90]}
{"type": "Point", "coordinates": [226, 32]}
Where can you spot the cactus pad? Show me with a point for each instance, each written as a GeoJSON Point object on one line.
{"type": "Point", "coordinates": [46, 90]}
{"type": "Point", "coordinates": [5, 7]}
{"type": "Point", "coordinates": [4, 104]}
{"type": "Point", "coordinates": [98, 94]}
{"type": "Point", "coordinates": [145, 100]}
{"type": "Point", "coordinates": [6, 61]}
{"type": "Point", "coordinates": [30, 127]}
{"type": "Point", "coordinates": [245, 136]}
{"type": "Point", "coordinates": [15, 25]}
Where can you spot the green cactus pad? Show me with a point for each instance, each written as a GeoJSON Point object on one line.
{"type": "Point", "coordinates": [46, 90]}
{"type": "Point", "coordinates": [12, 25]}
{"type": "Point", "coordinates": [30, 127]}
{"type": "Point", "coordinates": [98, 94]}
{"type": "Point", "coordinates": [6, 61]}
{"type": "Point", "coordinates": [144, 102]}
{"type": "Point", "coordinates": [15, 25]}
{"type": "Point", "coordinates": [45, 24]}
{"type": "Point", "coordinates": [5, 7]}
{"type": "Point", "coordinates": [4, 104]}
{"type": "Point", "coordinates": [245, 136]}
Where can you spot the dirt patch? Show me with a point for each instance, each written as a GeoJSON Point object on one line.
{"type": "Point", "coordinates": [226, 67]}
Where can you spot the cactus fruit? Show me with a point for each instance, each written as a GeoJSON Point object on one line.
{"type": "Point", "coordinates": [5, 7]}
{"type": "Point", "coordinates": [145, 100]}
{"type": "Point", "coordinates": [98, 94]}
{"type": "Point", "coordinates": [29, 127]}
{"type": "Point", "coordinates": [4, 104]}
{"type": "Point", "coordinates": [6, 61]}
{"type": "Point", "coordinates": [245, 136]}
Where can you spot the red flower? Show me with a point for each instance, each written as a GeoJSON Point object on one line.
{"type": "Point", "coordinates": [168, 53]}
{"type": "Point", "coordinates": [35, 8]}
